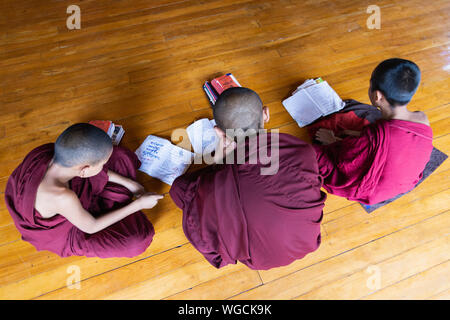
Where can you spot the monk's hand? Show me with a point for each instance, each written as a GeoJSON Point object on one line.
{"type": "Point", "coordinates": [148, 200]}
{"type": "Point", "coordinates": [351, 133]}
{"type": "Point", "coordinates": [326, 136]}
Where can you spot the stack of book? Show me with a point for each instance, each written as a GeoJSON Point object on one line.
{"type": "Point", "coordinates": [115, 131]}
{"type": "Point", "coordinates": [218, 85]}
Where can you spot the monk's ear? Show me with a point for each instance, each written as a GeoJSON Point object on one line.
{"type": "Point", "coordinates": [84, 171]}
{"type": "Point", "coordinates": [266, 114]}
{"type": "Point", "coordinates": [219, 132]}
{"type": "Point", "coordinates": [379, 97]}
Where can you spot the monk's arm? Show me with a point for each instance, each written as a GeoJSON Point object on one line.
{"type": "Point", "coordinates": [135, 187]}
{"type": "Point", "coordinates": [70, 207]}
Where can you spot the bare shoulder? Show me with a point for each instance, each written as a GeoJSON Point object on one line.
{"type": "Point", "coordinates": [421, 117]}
{"type": "Point", "coordinates": [52, 200]}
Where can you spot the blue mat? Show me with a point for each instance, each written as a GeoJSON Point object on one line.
{"type": "Point", "coordinates": [436, 159]}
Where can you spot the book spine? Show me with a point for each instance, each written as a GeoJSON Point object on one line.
{"type": "Point", "coordinates": [210, 98]}
{"type": "Point", "coordinates": [212, 91]}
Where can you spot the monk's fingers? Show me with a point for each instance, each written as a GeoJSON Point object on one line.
{"type": "Point", "coordinates": [320, 135]}
{"type": "Point", "coordinates": [148, 201]}
{"type": "Point", "coordinates": [325, 131]}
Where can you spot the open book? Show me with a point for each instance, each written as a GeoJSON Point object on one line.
{"type": "Point", "coordinates": [202, 136]}
{"type": "Point", "coordinates": [312, 100]}
{"type": "Point", "coordinates": [163, 160]}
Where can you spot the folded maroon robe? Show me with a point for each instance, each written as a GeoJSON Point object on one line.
{"type": "Point", "coordinates": [126, 238]}
{"type": "Point", "coordinates": [232, 212]}
{"type": "Point", "coordinates": [385, 160]}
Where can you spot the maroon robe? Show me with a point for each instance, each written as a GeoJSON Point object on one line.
{"type": "Point", "coordinates": [126, 238]}
{"type": "Point", "coordinates": [232, 212]}
{"type": "Point", "coordinates": [387, 159]}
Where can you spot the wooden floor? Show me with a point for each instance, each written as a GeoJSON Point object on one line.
{"type": "Point", "coordinates": [142, 64]}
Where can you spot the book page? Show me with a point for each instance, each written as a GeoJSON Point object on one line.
{"type": "Point", "coordinates": [311, 100]}
{"type": "Point", "coordinates": [302, 108]}
{"type": "Point", "coordinates": [307, 83]}
{"type": "Point", "coordinates": [202, 136]}
{"type": "Point", "coordinates": [163, 160]}
{"type": "Point", "coordinates": [325, 97]}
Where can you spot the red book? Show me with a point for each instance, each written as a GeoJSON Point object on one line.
{"type": "Point", "coordinates": [115, 131]}
{"type": "Point", "coordinates": [105, 125]}
{"type": "Point", "coordinates": [224, 82]}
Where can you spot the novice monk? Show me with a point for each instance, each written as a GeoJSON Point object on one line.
{"type": "Point", "coordinates": [260, 216]}
{"type": "Point", "coordinates": [74, 197]}
{"type": "Point", "coordinates": [387, 157]}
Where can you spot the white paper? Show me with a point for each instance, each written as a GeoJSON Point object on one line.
{"type": "Point", "coordinates": [325, 97]}
{"type": "Point", "coordinates": [202, 136]}
{"type": "Point", "coordinates": [311, 101]}
{"type": "Point", "coordinates": [163, 160]}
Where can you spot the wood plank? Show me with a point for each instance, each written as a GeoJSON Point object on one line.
{"type": "Point", "coordinates": [142, 64]}
{"type": "Point", "coordinates": [221, 288]}
{"type": "Point", "coordinates": [184, 266]}
{"type": "Point", "coordinates": [419, 286]}
{"type": "Point", "coordinates": [444, 295]}
{"type": "Point", "coordinates": [392, 270]}
{"type": "Point", "coordinates": [51, 271]}
{"type": "Point", "coordinates": [340, 242]}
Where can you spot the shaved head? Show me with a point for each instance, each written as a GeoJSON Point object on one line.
{"type": "Point", "coordinates": [398, 80]}
{"type": "Point", "coordinates": [238, 108]}
{"type": "Point", "coordinates": [82, 144]}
